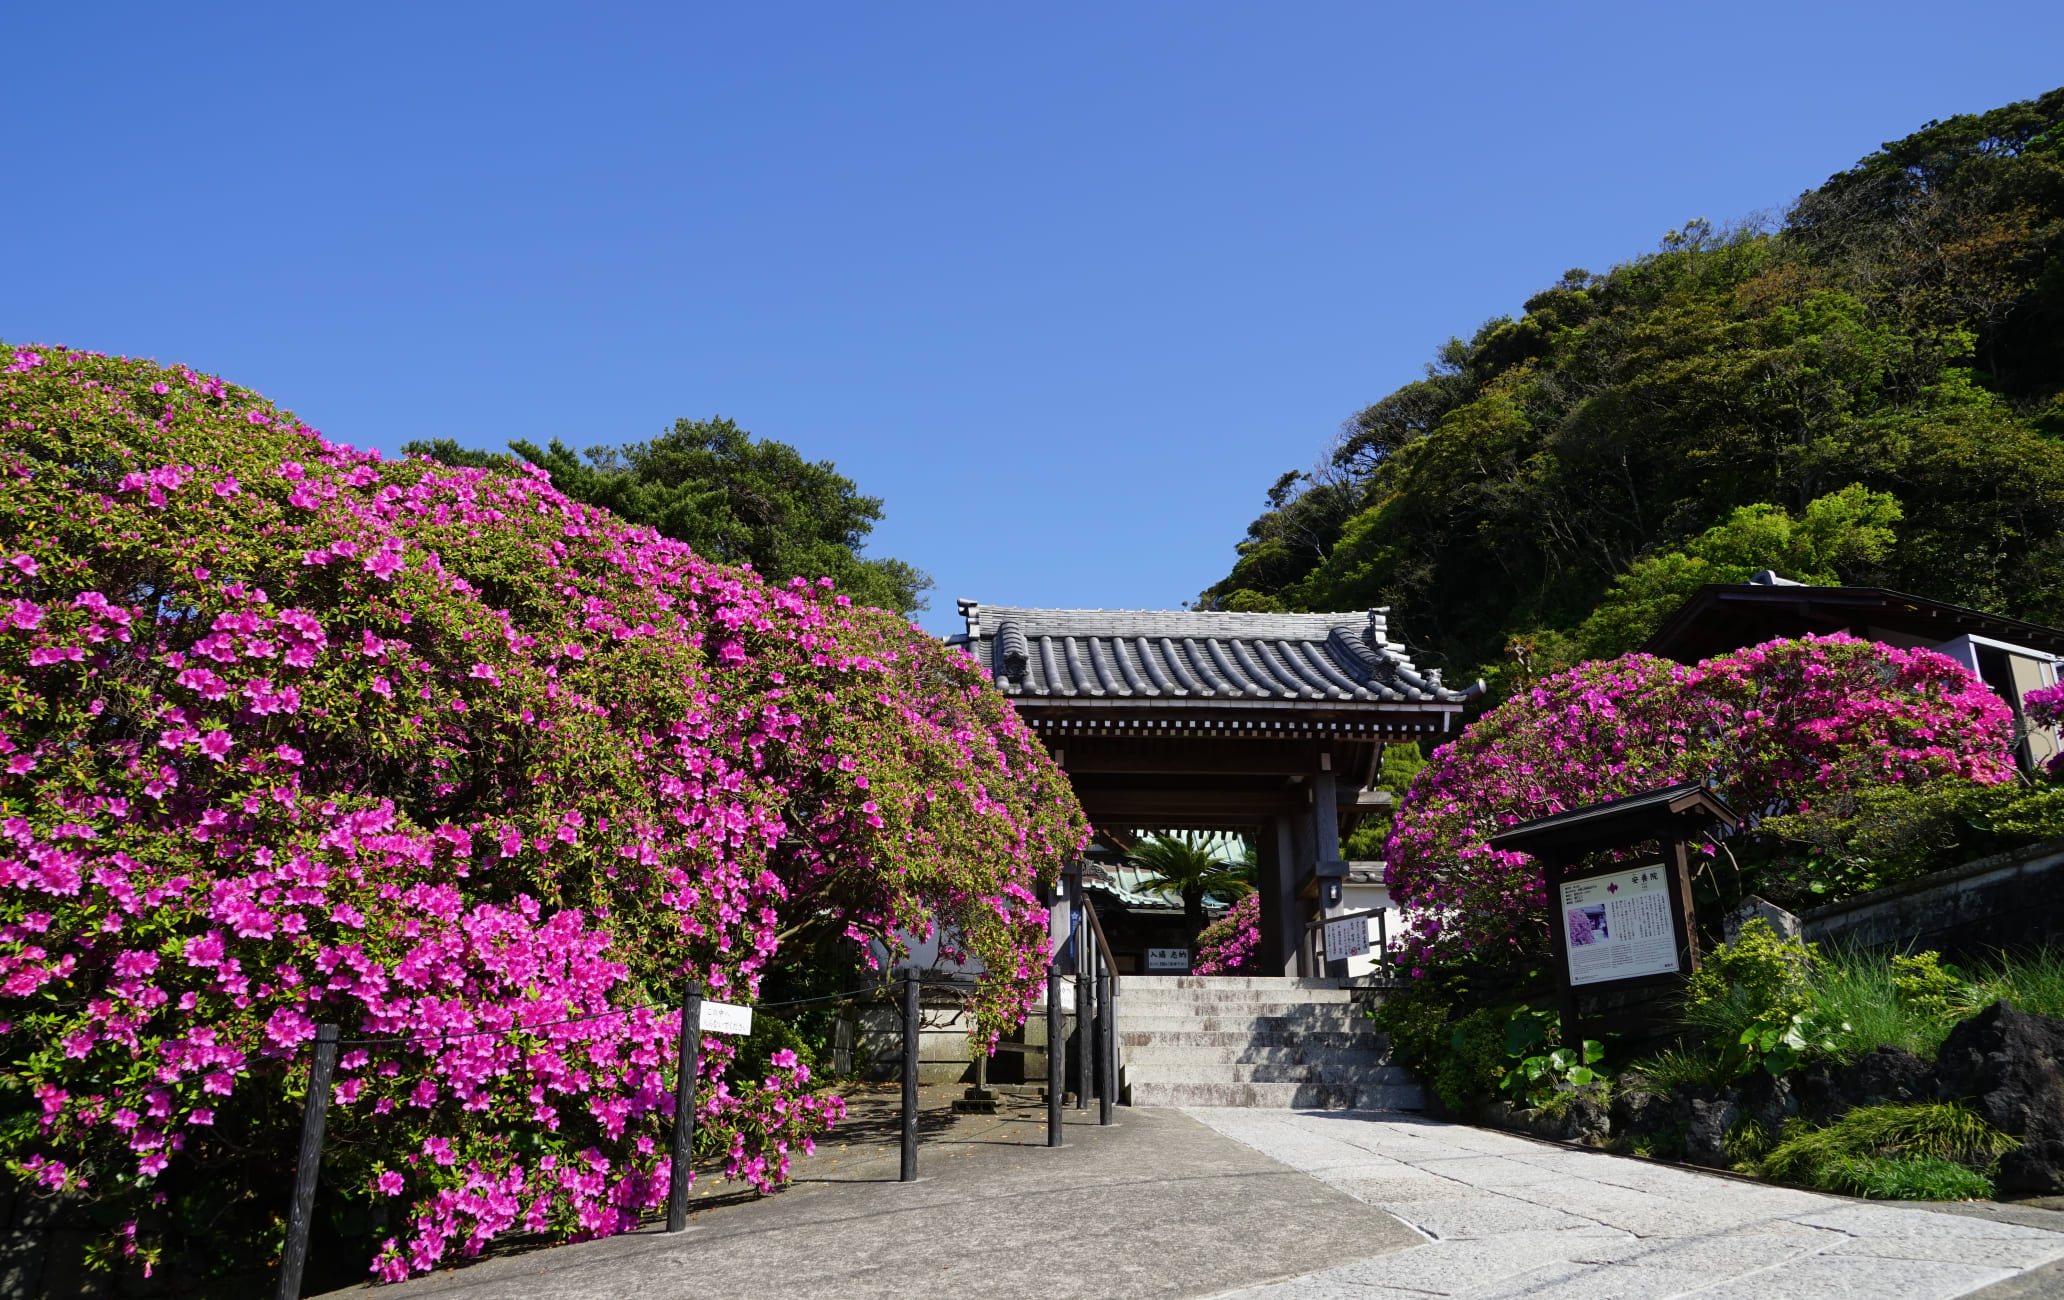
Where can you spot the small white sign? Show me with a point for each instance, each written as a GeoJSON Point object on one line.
{"type": "Point", "coordinates": [1168, 959]}
{"type": "Point", "coordinates": [1348, 938]}
{"type": "Point", "coordinates": [1619, 926]}
{"type": "Point", "coordinates": [726, 1018]}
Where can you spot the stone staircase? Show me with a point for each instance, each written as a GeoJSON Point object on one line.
{"type": "Point", "coordinates": [1230, 1040]}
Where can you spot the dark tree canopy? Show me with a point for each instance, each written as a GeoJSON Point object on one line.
{"type": "Point", "coordinates": [734, 498]}
{"type": "Point", "coordinates": [1871, 391]}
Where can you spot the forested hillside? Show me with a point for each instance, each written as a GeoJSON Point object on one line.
{"type": "Point", "coordinates": [1871, 392]}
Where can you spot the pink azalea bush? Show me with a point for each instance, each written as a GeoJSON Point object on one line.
{"type": "Point", "coordinates": [1774, 727]}
{"type": "Point", "coordinates": [1228, 946]}
{"type": "Point", "coordinates": [295, 735]}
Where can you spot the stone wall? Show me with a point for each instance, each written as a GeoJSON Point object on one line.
{"type": "Point", "coordinates": [2010, 900]}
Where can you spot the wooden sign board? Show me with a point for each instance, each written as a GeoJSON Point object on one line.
{"type": "Point", "coordinates": [1168, 959]}
{"type": "Point", "coordinates": [726, 1018]}
{"type": "Point", "coordinates": [1624, 934]}
{"type": "Point", "coordinates": [1618, 926]}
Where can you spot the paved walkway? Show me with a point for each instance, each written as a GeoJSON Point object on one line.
{"type": "Point", "coordinates": [1507, 1216]}
{"type": "Point", "coordinates": [1156, 1207]}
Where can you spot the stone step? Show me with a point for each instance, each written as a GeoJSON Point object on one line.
{"type": "Point", "coordinates": [1205, 1058]}
{"type": "Point", "coordinates": [1132, 982]}
{"type": "Point", "coordinates": [1279, 1096]}
{"type": "Point", "coordinates": [1136, 996]}
{"type": "Point", "coordinates": [1127, 1012]}
{"type": "Point", "coordinates": [1319, 1038]}
{"type": "Point", "coordinates": [1307, 1022]}
{"type": "Point", "coordinates": [1371, 1072]}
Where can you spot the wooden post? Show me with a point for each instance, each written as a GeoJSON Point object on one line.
{"type": "Point", "coordinates": [910, 1042]}
{"type": "Point", "coordinates": [1107, 1044]}
{"type": "Point", "coordinates": [315, 1114]}
{"type": "Point", "coordinates": [1552, 870]}
{"type": "Point", "coordinates": [1053, 1055]}
{"type": "Point", "coordinates": [1681, 915]}
{"type": "Point", "coordinates": [688, 1065]}
{"type": "Point", "coordinates": [1085, 1001]}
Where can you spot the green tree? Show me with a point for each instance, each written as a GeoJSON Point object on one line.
{"type": "Point", "coordinates": [1191, 872]}
{"type": "Point", "coordinates": [1558, 479]}
{"type": "Point", "coordinates": [732, 497]}
{"type": "Point", "coordinates": [1843, 533]}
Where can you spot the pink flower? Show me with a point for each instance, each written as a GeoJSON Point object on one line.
{"type": "Point", "coordinates": [216, 745]}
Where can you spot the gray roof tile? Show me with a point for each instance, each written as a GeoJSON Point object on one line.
{"type": "Point", "coordinates": [1150, 654]}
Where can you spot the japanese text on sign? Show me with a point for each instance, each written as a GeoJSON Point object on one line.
{"type": "Point", "coordinates": [726, 1018]}
{"type": "Point", "coordinates": [1619, 926]}
{"type": "Point", "coordinates": [1348, 938]}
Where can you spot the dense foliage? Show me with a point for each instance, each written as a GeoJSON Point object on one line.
{"type": "Point", "coordinates": [731, 497]}
{"type": "Point", "coordinates": [1870, 392]}
{"type": "Point", "coordinates": [1191, 870]}
{"type": "Point", "coordinates": [1789, 725]}
{"type": "Point", "coordinates": [293, 735]}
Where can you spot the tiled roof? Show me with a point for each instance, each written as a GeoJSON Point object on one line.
{"type": "Point", "coordinates": [1074, 653]}
{"type": "Point", "coordinates": [1134, 888]}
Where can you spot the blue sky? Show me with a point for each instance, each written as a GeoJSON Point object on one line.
{"type": "Point", "coordinates": [1068, 286]}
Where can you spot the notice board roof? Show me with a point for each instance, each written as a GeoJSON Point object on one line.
{"type": "Point", "coordinates": [1654, 814]}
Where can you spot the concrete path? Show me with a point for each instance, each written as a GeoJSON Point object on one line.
{"type": "Point", "coordinates": [1156, 1206]}
{"type": "Point", "coordinates": [1506, 1216]}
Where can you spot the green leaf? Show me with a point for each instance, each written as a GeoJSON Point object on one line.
{"type": "Point", "coordinates": [1583, 1075]}
{"type": "Point", "coordinates": [1594, 1051]}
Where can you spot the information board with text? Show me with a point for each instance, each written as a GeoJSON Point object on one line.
{"type": "Point", "coordinates": [1619, 926]}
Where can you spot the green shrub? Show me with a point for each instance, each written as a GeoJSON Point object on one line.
{"type": "Point", "coordinates": [1926, 989]}
{"type": "Point", "coordinates": [1896, 1152]}
{"type": "Point", "coordinates": [1882, 835]}
{"type": "Point", "coordinates": [1760, 976]}
{"type": "Point", "coordinates": [1417, 1020]}
{"type": "Point", "coordinates": [1475, 1060]}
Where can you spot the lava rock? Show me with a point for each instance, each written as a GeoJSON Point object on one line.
{"type": "Point", "coordinates": [1706, 1122]}
{"type": "Point", "coordinates": [1886, 1073]}
{"type": "Point", "coordinates": [2010, 1066]}
{"type": "Point", "coordinates": [1636, 1113]}
{"type": "Point", "coordinates": [1769, 1101]}
{"type": "Point", "coordinates": [1818, 1094]}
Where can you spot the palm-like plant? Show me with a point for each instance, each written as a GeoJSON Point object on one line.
{"type": "Point", "coordinates": [1190, 870]}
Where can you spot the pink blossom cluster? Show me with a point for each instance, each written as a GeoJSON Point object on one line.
{"type": "Point", "coordinates": [1773, 727]}
{"type": "Point", "coordinates": [1228, 946]}
{"type": "Point", "coordinates": [296, 735]}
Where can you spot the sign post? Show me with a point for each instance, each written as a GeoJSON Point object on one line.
{"type": "Point", "coordinates": [1626, 925]}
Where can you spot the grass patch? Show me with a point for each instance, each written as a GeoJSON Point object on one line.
{"type": "Point", "coordinates": [1859, 988]}
{"type": "Point", "coordinates": [2031, 981]}
{"type": "Point", "coordinates": [1914, 1178]}
{"type": "Point", "coordinates": [1863, 989]}
{"type": "Point", "coordinates": [1894, 1152]}
{"type": "Point", "coordinates": [1663, 1073]}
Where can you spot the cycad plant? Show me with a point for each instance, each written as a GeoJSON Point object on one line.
{"type": "Point", "coordinates": [1191, 871]}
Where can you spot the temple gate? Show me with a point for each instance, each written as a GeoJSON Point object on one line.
{"type": "Point", "coordinates": [1267, 724]}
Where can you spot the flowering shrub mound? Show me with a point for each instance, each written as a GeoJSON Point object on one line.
{"type": "Point", "coordinates": [1228, 945]}
{"type": "Point", "coordinates": [1775, 728]}
{"type": "Point", "coordinates": [293, 735]}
